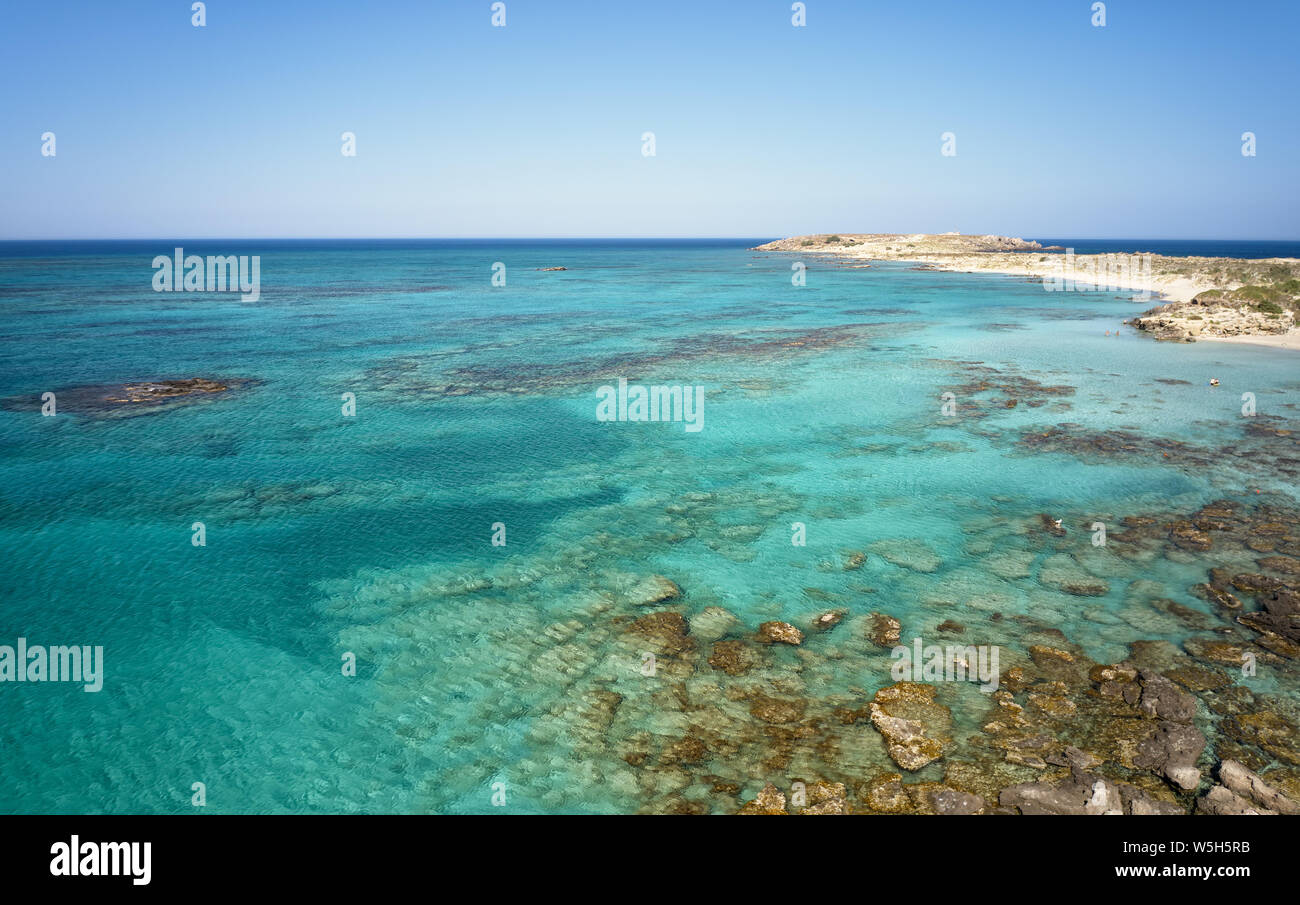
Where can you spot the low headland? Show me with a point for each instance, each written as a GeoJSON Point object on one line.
{"type": "Point", "coordinates": [1222, 299]}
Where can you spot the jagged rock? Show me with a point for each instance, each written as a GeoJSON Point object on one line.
{"type": "Point", "coordinates": [768, 801]}
{"type": "Point", "coordinates": [1171, 750]}
{"type": "Point", "coordinates": [1221, 800]}
{"type": "Point", "coordinates": [1083, 793]}
{"type": "Point", "coordinates": [1163, 699]}
{"type": "Point", "coordinates": [779, 633]}
{"type": "Point", "coordinates": [1248, 785]}
{"type": "Point", "coordinates": [885, 630]}
{"type": "Point", "coordinates": [914, 725]}
{"type": "Point", "coordinates": [1218, 596]}
{"type": "Point", "coordinates": [1254, 583]}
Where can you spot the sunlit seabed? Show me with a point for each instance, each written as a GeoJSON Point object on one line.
{"type": "Point", "coordinates": [476, 405]}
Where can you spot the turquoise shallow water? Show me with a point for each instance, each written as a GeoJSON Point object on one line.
{"type": "Point", "coordinates": [476, 405]}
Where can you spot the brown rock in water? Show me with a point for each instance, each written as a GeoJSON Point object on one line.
{"type": "Point", "coordinates": [686, 750]}
{"type": "Point", "coordinates": [1284, 564]}
{"type": "Point", "coordinates": [166, 389]}
{"type": "Point", "coordinates": [1267, 730]}
{"type": "Point", "coordinates": [1280, 616]}
{"type": "Point", "coordinates": [948, 625]}
{"type": "Point", "coordinates": [776, 710]}
{"type": "Point", "coordinates": [1049, 525]}
{"type": "Point", "coordinates": [1217, 596]}
{"type": "Point", "coordinates": [825, 798]}
{"type": "Point", "coordinates": [885, 630]}
{"type": "Point", "coordinates": [779, 633]}
{"type": "Point", "coordinates": [1189, 537]}
{"type": "Point", "coordinates": [133, 398]}
{"type": "Point", "coordinates": [827, 621]}
{"type": "Point", "coordinates": [769, 801]}
{"type": "Point", "coordinates": [914, 724]}
{"type": "Point", "coordinates": [732, 657]}
{"type": "Point", "coordinates": [886, 794]}
{"type": "Point", "coordinates": [1254, 583]}
{"type": "Point", "coordinates": [665, 630]}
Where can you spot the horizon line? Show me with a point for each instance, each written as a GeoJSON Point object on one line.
{"type": "Point", "coordinates": [602, 238]}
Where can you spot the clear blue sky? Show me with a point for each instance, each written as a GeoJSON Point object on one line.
{"type": "Point", "coordinates": [762, 129]}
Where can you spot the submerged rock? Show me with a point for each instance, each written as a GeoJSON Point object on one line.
{"type": "Point", "coordinates": [652, 590]}
{"type": "Point", "coordinates": [909, 553]}
{"type": "Point", "coordinates": [1063, 572]}
{"type": "Point", "coordinates": [133, 398]}
{"type": "Point", "coordinates": [665, 631]}
{"type": "Point", "coordinates": [732, 657]}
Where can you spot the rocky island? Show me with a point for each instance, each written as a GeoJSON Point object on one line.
{"type": "Point", "coordinates": [1228, 299]}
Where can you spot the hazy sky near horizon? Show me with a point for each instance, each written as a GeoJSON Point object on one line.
{"type": "Point", "coordinates": [761, 129]}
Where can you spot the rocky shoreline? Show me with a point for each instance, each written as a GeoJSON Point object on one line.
{"type": "Point", "coordinates": [1211, 298]}
{"type": "Point", "coordinates": [750, 719]}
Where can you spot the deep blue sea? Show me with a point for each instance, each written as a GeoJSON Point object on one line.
{"type": "Point", "coordinates": [1202, 248]}
{"type": "Point", "coordinates": [507, 670]}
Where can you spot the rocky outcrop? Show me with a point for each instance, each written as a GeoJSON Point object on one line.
{"type": "Point", "coordinates": [1083, 793]}
{"type": "Point", "coordinates": [1214, 314]}
{"type": "Point", "coordinates": [915, 726]}
{"type": "Point", "coordinates": [770, 800]}
{"type": "Point", "coordinates": [885, 630]}
{"type": "Point", "coordinates": [1241, 792]}
{"type": "Point", "coordinates": [779, 633]}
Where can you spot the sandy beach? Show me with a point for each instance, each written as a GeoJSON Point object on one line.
{"type": "Point", "coordinates": [1197, 297]}
{"type": "Point", "coordinates": [1289, 340]}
